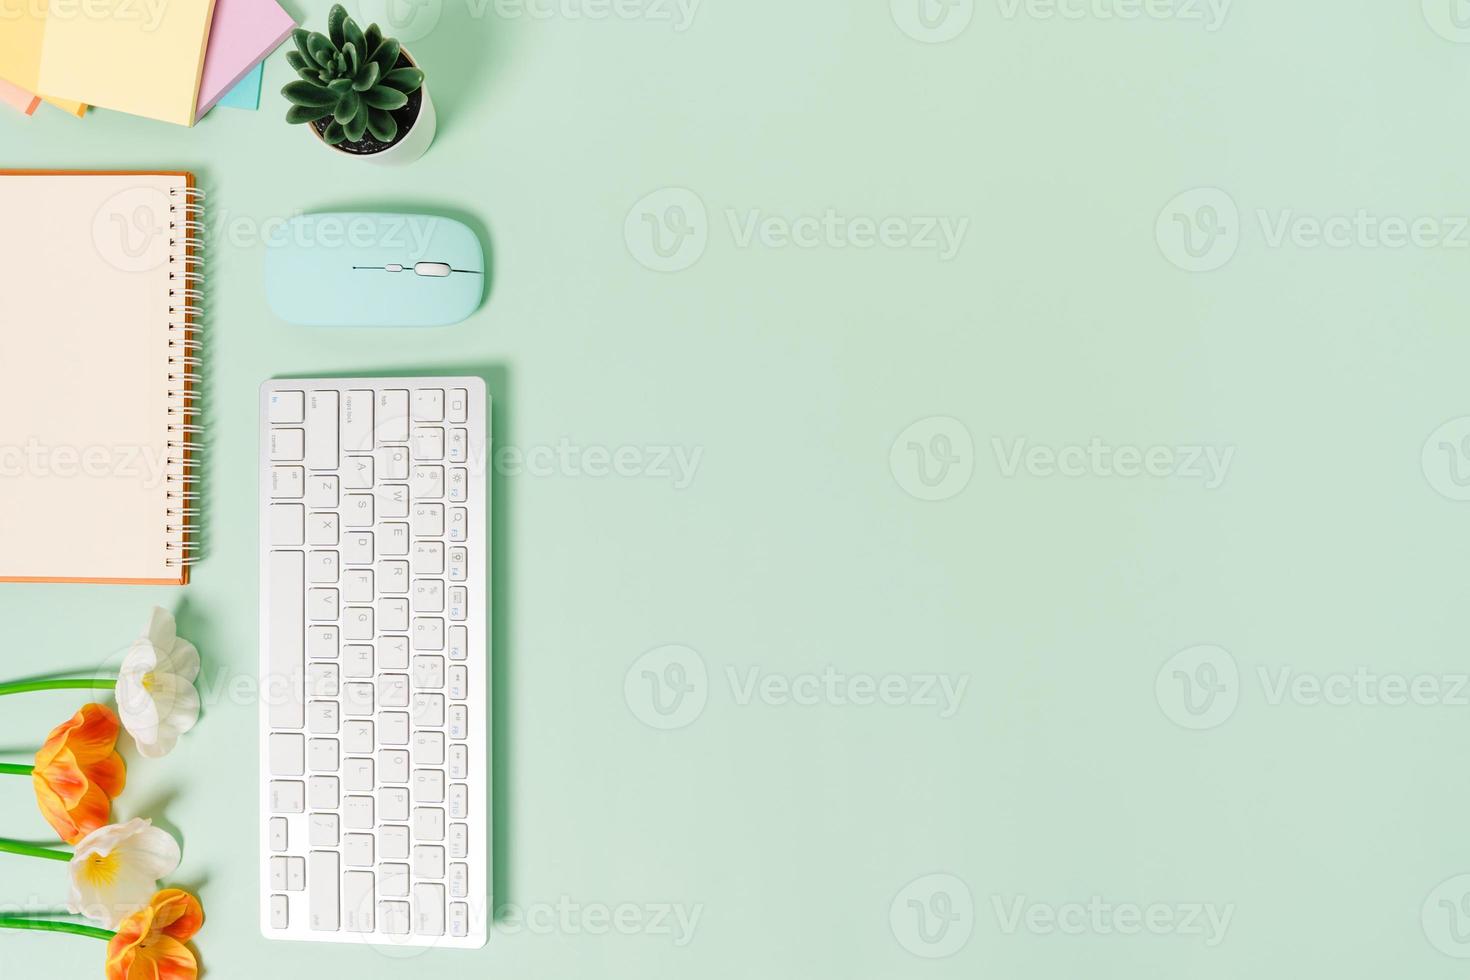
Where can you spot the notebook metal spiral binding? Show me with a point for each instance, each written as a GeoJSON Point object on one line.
{"type": "Point", "coordinates": [186, 296]}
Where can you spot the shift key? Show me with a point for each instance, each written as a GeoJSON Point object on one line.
{"type": "Point", "coordinates": [321, 430]}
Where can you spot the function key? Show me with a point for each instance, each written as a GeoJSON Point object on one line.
{"type": "Point", "coordinates": [287, 407]}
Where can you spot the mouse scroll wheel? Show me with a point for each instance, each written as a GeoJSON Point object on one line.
{"type": "Point", "coordinates": [439, 269]}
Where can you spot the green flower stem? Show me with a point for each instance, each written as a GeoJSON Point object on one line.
{"type": "Point", "coordinates": [15, 769]}
{"type": "Point", "coordinates": [54, 925]}
{"type": "Point", "coordinates": [31, 850]}
{"type": "Point", "coordinates": [69, 684]}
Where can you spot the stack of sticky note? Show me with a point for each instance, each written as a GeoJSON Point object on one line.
{"type": "Point", "coordinates": [173, 60]}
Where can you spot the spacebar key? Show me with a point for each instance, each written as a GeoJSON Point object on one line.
{"type": "Point", "coordinates": [285, 683]}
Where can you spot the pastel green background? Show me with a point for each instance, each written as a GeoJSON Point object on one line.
{"type": "Point", "coordinates": [794, 829]}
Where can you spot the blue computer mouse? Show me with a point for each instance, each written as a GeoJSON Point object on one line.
{"type": "Point", "coordinates": [363, 269]}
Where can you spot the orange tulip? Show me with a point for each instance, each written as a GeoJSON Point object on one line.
{"type": "Point", "coordinates": [78, 772]}
{"type": "Point", "coordinates": [149, 944]}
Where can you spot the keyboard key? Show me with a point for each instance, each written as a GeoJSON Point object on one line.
{"type": "Point", "coordinates": [428, 520]}
{"type": "Point", "coordinates": [428, 405]}
{"type": "Point", "coordinates": [428, 786]}
{"type": "Point", "coordinates": [287, 755]}
{"type": "Point", "coordinates": [321, 530]}
{"type": "Point", "coordinates": [288, 796]}
{"type": "Point", "coordinates": [322, 680]}
{"type": "Point", "coordinates": [393, 577]}
{"type": "Point", "coordinates": [428, 443]}
{"type": "Point", "coordinates": [428, 748]}
{"type": "Point", "coordinates": [358, 812]}
{"type": "Point", "coordinates": [428, 633]}
{"type": "Point", "coordinates": [392, 463]}
{"type": "Point", "coordinates": [395, 539]}
{"type": "Point", "coordinates": [459, 445]}
{"type": "Point", "coordinates": [357, 548]}
{"type": "Point", "coordinates": [459, 604]}
{"type": "Point", "coordinates": [323, 792]}
{"type": "Point", "coordinates": [321, 642]}
{"type": "Point", "coordinates": [428, 673]}
{"type": "Point", "coordinates": [426, 482]}
{"type": "Point", "coordinates": [428, 910]}
{"type": "Point", "coordinates": [357, 421]}
{"type": "Point", "coordinates": [322, 717]}
{"type": "Point", "coordinates": [393, 415]}
{"type": "Point", "coordinates": [393, 880]}
{"type": "Point", "coordinates": [287, 524]}
{"type": "Point", "coordinates": [459, 524]}
{"type": "Point", "coordinates": [288, 874]}
{"type": "Point", "coordinates": [459, 762]}
{"type": "Point", "coordinates": [359, 903]}
{"type": "Point", "coordinates": [357, 776]}
{"type": "Point", "coordinates": [357, 850]}
{"type": "Point", "coordinates": [357, 510]}
{"type": "Point", "coordinates": [393, 690]}
{"type": "Point", "coordinates": [321, 492]}
{"type": "Point", "coordinates": [326, 829]}
{"type": "Point", "coordinates": [393, 918]}
{"type": "Point", "coordinates": [357, 623]}
{"type": "Point", "coordinates": [280, 912]}
{"type": "Point", "coordinates": [393, 841]}
{"type": "Point", "coordinates": [428, 861]}
{"type": "Point", "coordinates": [428, 711]}
{"type": "Point", "coordinates": [321, 430]}
{"type": "Point", "coordinates": [321, 605]}
{"type": "Point", "coordinates": [459, 482]}
{"type": "Point", "coordinates": [428, 824]}
{"type": "Point", "coordinates": [393, 653]}
{"type": "Point", "coordinates": [357, 585]}
{"type": "Point", "coordinates": [392, 500]}
{"type": "Point", "coordinates": [287, 406]}
{"type": "Point", "coordinates": [357, 699]}
{"type": "Point", "coordinates": [393, 803]}
{"type": "Point", "coordinates": [459, 564]}
{"type": "Point", "coordinates": [393, 615]}
{"type": "Point", "coordinates": [459, 405]}
{"type": "Point", "coordinates": [288, 481]}
{"type": "Point", "coordinates": [357, 474]}
{"type": "Point", "coordinates": [288, 444]}
{"type": "Point", "coordinates": [459, 721]}
{"type": "Point", "coordinates": [280, 834]}
{"type": "Point", "coordinates": [393, 728]}
{"type": "Point", "coordinates": [393, 766]}
{"type": "Point", "coordinates": [459, 802]}
{"type": "Point", "coordinates": [323, 754]}
{"type": "Point", "coordinates": [323, 880]}
{"type": "Point", "coordinates": [428, 595]}
{"type": "Point", "coordinates": [428, 558]}
{"type": "Point", "coordinates": [321, 567]}
{"type": "Point", "coordinates": [459, 840]}
{"type": "Point", "coordinates": [357, 737]}
{"type": "Point", "coordinates": [459, 920]}
{"type": "Point", "coordinates": [459, 880]}
{"type": "Point", "coordinates": [459, 642]}
{"type": "Point", "coordinates": [459, 683]}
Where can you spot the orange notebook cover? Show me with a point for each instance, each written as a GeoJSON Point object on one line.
{"type": "Point", "coordinates": [99, 347]}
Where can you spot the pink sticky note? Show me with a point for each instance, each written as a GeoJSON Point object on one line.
{"type": "Point", "coordinates": [22, 100]}
{"type": "Point", "coordinates": [242, 33]}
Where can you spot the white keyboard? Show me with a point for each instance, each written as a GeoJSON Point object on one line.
{"type": "Point", "coordinates": [375, 661]}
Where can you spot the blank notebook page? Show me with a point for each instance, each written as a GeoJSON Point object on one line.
{"type": "Point", "coordinates": [87, 333]}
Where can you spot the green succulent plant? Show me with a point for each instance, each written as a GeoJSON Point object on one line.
{"type": "Point", "coordinates": [348, 77]}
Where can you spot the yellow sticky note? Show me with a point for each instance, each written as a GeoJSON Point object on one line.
{"type": "Point", "coordinates": [139, 56]}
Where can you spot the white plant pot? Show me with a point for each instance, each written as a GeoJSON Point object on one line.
{"type": "Point", "coordinates": [408, 149]}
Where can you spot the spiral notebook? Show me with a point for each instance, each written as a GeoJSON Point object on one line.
{"type": "Point", "coordinates": [100, 303]}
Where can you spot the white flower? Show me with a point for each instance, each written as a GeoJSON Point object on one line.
{"type": "Point", "coordinates": [156, 699]}
{"type": "Point", "coordinates": [116, 868]}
